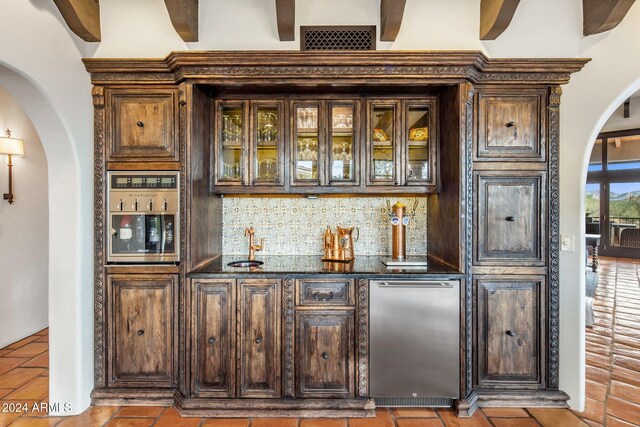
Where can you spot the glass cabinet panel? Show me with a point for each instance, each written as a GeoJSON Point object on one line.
{"type": "Point", "coordinates": [342, 150]}
{"type": "Point", "coordinates": [417, 134]}
{"type": "Point", "coordinates": [231, 143]}
{"type": "Point", "coordinates": [382, 137]}
{"type": "Point", "coordinates": [268, 147]}
{"type": "Point", "coordinates": [306, 143]}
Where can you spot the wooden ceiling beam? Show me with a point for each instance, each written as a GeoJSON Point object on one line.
{"type": "Point", "coordinates": [184, 17]}
{"type": "Point", "coordinates": [627, 106]}
{"type": "Point", "coordinates": [391, 12]}
{"type": "Point", "coordinates": [603, 15]}
{"type": "Point", "coordinates": [82, 17]}
{"type": "Point", "coordinates": [495, 17]}
{"type": "Point", "coordinates": [286, 16]}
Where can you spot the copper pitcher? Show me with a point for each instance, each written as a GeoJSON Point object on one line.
{"type": "Point", "coordinates": [345, 236]}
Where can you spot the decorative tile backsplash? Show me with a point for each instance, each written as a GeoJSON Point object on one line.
{"type": "Point", "coordinates": [295, 225]}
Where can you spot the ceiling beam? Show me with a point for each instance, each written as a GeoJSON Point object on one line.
{"type": "Point", "coordinates": [82, 17]}
{"type": "Point", "coordinates": [603, 15]}
{"type": "Point", "coordinates": [286, 16]}
{"type": "Point", "coordinates": [184, 17]}
{"type": "Point", "coordinates": [495, 17]}
{"type": "Point", "coordinates": [391, 12]}
{"type": "Point", "coordinates": [627, 107]}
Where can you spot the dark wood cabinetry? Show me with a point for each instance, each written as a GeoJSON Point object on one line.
{"type": "Point", "coordinates": [481, 135]}
{"type": "Point", "coordinates": [142, 125]}
{"type": "Point", "coordinates": [259, 338]}
{"type": "Point", "coordinates": [510, 331]}
{"type": "Point", "coordinates": [325, 353]}
{"type": "Point", "coordinates": [142, 337]}
{"type": "Point", "coordinates": [510, 217]}
{"type": "Point", "coordinates": [511, 125]}
{"type": "Point", "coordinates": [213, 324]}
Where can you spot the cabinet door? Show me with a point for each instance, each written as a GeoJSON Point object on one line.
{"type": "Point", "coordinates": [511, 125]}
{"type": "Point", "coordinates": [510, 218]}
{"type": "Point", "coordinates": [383, 157]}
{"type": "Point", "coordinates": [510, 331]}
{"type": "Point", "coordinates": [267, 143]}
{"type": "Point", "coordinates": [307, 147]}
{"type": "Point", "coordinates": [259, 338]}
{"type": "Point", "coordinates": [325, 356]}
{"type": "Point", "coordinates": [343, 143]}
{"type": "Point", "coordinates": [231, 143]}
{"type": "Point", "coordinates": [142, 125]}
{"type": "Point", "coordinates": [419, 137]}
{"type": "Point", "coordinates": [143, 336]}
{"type": "Point", "coordinates": [213, 338]}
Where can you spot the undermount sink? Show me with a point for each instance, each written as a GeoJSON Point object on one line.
{"type": "Point", "coordinates": [245, 263]}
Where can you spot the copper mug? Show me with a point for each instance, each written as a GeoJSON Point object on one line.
{"type": "Point", "coordinates": [346, 241]}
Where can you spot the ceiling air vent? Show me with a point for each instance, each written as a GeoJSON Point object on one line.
{"type": "Point", "coordinates": [354, 37]}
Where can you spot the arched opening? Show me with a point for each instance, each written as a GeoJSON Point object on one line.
{"type": "Point", "coordinates": [70, 349]}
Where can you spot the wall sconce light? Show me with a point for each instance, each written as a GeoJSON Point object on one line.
{"type": "Point", "coordinates": [10, 147]}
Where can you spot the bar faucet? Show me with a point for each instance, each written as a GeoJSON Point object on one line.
{"type": "Point", "coordinates": [250, 231]}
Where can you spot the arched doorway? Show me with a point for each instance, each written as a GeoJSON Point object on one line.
{"type": "Point", "coordinates": [70, 288]}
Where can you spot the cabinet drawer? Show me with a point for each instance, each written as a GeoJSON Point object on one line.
{"type": "Point", "coordinates": [325, 292]}
{"type": "Point", "coordinates": [142, 125]}
{"type": "Point", "coordinates": [511, 125]}
{"type": "Point", "coordinates": [509, 218]}
{"type": "Point", "coordinates": [510, 332]}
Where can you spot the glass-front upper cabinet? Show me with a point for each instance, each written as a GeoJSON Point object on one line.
{"type": "Point", "coordinates": [382, 142]}
{"type": "Point", "coordinates": [267, 142]}
{"type": "Point", "coordinates": [307, 143]}
{"type": "Point", "coordinates": [231, 142]}
{"type": "Point", "coordinates": [343, 150]}
{"type": "Point", "coordinates": [418, 132]}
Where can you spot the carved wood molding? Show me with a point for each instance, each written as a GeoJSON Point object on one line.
{"type": "Point", "coordinates": [269, 67]}
{"type": "Point", "coordinates": [286, 17]}
{"type": "Point", "coordinates": [288, 338]}
{"type": "Point", "coordinates": [184, 288]}
{"type": "Point", "coordinates": [554, 237]}
{"type": "Point", "coordinates": [99, 331]}
{"type": "Point", "coordinates": [82, 17]}
{"type": "Point", "coordinates": [391, 12]}
{"type": "Point", "coordinates": [362, 326]}
{"type": "Point", "coordinates": [603, 15]}
{"type": "Point", "coordinates": [495, 17]}
{"type": "Point", "coordinates": [184, 17]}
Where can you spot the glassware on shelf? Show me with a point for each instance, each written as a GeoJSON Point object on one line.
{"type": "Point", "coordinates": [231, 170]}
{"type": "Point", "coordinates": [307, 118]}
{"type": "Point", "coordinates": [267, 130]}
{"type": "Point", "coordinates": [307, 149]}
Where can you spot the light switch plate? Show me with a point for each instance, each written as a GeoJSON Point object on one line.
{"type": "Point", "coordinates": [567, 243]}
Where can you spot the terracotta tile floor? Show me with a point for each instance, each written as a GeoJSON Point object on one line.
{"type": "Point", "coordinates": [613, 347]}
{"type": "Point", "coordinates": [613, 382]}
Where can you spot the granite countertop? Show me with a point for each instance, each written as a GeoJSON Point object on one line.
{"type": "Point", "coordinates": [309, 264]}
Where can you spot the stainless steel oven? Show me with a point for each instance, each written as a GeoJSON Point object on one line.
{"type": "Point", "coordinates": [144, 217]}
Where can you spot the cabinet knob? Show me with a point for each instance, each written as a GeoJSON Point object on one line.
{"type": "Point", "coordinates": [510, 218]}
{"type": "Point", "coordinates": [511, 124]}
{"type": "Point", "coordinates": [511, 333]}
{"type": "Point", "coordinates": [212, 340]}
{"type": "Point", "coordinates": [141, 332]}
{"type": "Point", "coordinates": [325, 355]}
{"type": "Point", "coordinates": [140, 124]}
{"type": "Point", "coordinates": [258, 339]}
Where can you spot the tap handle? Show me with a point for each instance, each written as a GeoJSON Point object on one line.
{"type": "Point", "coordinates": [262, 243]}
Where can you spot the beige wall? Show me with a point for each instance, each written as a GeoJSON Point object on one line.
{"type": "Point", "coordinates": [24, 231]}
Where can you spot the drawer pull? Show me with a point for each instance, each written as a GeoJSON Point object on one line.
{"type": "Point", "coordinates": [141, 332]}
{"type": "Point", "coordinates": [140, 124]}
{"type": "Point", "coordinates": [511, 124]}
{"type": "Point", "coordinates": [323, 297]}
{"type": "Point", "coordinates": [511, 333]}
{"type": "Point", "coordinates": [258, 339]}
{"type": "Point", "coordinates": [510, 218]}
{"type": "Point", "coordinates": [325, 355]}
{"type": "Point", "coordinates": [212, 340]}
